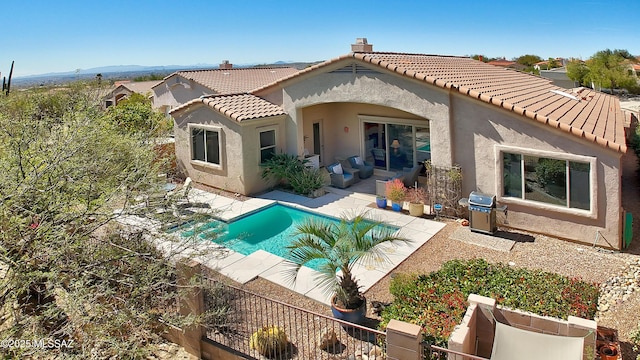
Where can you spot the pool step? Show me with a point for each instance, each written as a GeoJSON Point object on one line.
{"type": "Point", "coordinates": [251, 266]}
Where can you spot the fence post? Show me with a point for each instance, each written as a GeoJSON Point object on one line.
{"type": "Point", "coordinates": [190, 302]}
{"type": "Point", "coordinates": [403, 341]}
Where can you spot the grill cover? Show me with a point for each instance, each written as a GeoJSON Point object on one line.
{"type": "Point", "coordinates": [480, 199]}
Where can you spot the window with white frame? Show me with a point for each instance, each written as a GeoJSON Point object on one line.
{"type": "Point", "coordinates": [545, 179]}
{"type": "Point", "coordinates": [206, 144]}
{"type": "Point", "coordinates": [267, 144]}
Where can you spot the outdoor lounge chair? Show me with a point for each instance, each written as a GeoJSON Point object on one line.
{"type": "Point", "coordinates": [366, 169]}
{"type": "Point", "coordinates": [409, 176]}
{"type": "Point", "coordinates": [182, 194]}
{"type": "Point", "coordinates": [339, 177]}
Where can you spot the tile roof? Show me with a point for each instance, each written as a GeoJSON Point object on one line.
{"type": "Point", "coordinates": [234, 81]}
{"type": "Point", "coordinates": [501, 62]}
{"type": "Point", "coordinates": [140, 87]}
{"type": "Point", "coordinates": [238, 107]}
{"type": "Point", "coordinates": [584, 113]}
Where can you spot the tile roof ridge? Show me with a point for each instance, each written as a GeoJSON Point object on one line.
{"type": "Point", "coordinates": [303, 71]}
{"type": "Point", "coordinates": [209, 96]}
{"type": "Point", "coordinates": [238, 68]}
{"type": "Point", "coordinates": [409, 54]}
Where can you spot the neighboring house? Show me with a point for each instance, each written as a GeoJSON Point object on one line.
{"type": "Point", "coordinates": [552, 155]}
{"type": "Point", "coordinates": [508, 64]}
{"type": "Point", "coordinates": [183, 86]}
{"type": "Point", "coordinates": [125, 89]}
{"type": "Point", "coordinates": [558, 76]}
{"type": "Point", "coordinates": [544, 65]}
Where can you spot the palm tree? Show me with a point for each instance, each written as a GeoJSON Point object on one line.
{"type": "Point", "coordinates": [339, 245]}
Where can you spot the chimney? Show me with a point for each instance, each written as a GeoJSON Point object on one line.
{"type": "Point", "coordinates": [481, 58]}
{"type": "Point", "coordinates": [225, 65]}
{"type": "Point", "coordinates": [361, 46]}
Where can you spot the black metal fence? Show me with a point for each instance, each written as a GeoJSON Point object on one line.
{"type": "Point", "coordinates": [433, 352]}
{"type": "Point", "coordinates": [249, 323]}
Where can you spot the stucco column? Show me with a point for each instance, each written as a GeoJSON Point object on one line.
{"type": "Point", "coordinates": [403, 341]}
{"type": "Point", "coordinates": [191, 301]}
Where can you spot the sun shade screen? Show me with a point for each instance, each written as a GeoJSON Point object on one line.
{"type": "Point", "coordinates": [513, 343]}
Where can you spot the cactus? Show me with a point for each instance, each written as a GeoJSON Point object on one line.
{"type": "Point", "coordinates": [269, 341]}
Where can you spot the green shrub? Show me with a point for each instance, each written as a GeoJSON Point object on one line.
{"type": "Point", "coordinates": [281, 166]}
{"type": "Point", "coordinates": [270, 341]}
{"type": "Point", "coordinates": [306, 181]}
{"type": "Point", "coordinates": [437, 301]}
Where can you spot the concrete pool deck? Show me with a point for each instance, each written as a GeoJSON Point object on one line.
{"type": "Point", "coordinates": [262, 264]}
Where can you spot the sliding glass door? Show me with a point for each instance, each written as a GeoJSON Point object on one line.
{"type": "Point", "coordinates": [393, 146]}
{"type": "Point", "coordinates": [400, 140]}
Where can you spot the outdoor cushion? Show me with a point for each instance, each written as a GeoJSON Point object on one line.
{"type": "Point", "coordinates": [366, 169]}
{"type": "Point", "coordinates": [337, 169]}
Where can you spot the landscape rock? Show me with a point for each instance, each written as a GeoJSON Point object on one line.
{"type": "Point", "coordinates": [328, 339]}
{"type": "Point", "coordinates": [618, 289]}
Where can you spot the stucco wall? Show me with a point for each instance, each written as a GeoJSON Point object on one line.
{"type": "Point", "coordinates": [338, 141]}
{"type": "Point", "coordinates": [383, 89]}
{"type": "Point", "coordinates": [240, 155]}
{"type": "Point", "coordinates": [176, 90]}
{"type": "Point", "coordinates": [463, 131]}
{"type": "Point", "coordinates": [478, 127]}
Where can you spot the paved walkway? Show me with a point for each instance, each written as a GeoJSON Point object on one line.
{"type": "Point", "coordinates": [498, 242]}
{"type": "Point", "coordinates": [335, 203]}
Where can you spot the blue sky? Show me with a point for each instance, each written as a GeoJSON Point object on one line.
{"type": "Point", "coordinates": [45, 36]}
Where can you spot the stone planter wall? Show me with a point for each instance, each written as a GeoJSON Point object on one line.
{"type": "Point", "coordinates": [478, 324]}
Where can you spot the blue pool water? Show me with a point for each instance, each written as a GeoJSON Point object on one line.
{"type": "Point", "coordinates": [270, 229]}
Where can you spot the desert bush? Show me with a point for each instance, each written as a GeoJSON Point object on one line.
{"type": "Point", "coordinates": [395, 190]}
{"type": "Point", "coordinates": [306, 181]}
{"type": "Point", "coordinates": [280, 167]}
{"type": "Point", "coordinates": [437, 301]}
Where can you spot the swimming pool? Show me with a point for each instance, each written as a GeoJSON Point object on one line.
{"type": "Point", "coordinates": [270, 229]}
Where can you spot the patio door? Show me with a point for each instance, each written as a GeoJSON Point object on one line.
{"type": "Point", "coordinates": [375, 144]}
{"type": "Point", "coordinates": [395, 144]}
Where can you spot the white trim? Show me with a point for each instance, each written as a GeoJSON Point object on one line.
{"type": "Point", "coordinates": [390, 120]}
{"type": "Point", "coordinates": [218, 129]}
{"type": "Point", "coordinates": [593, 175]}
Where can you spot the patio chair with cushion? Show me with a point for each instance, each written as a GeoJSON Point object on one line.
{"type": "Point", "coordinates": [409, 176]}
{"type": "Point", "coordinates": [339, 177]}
{"type": "Point", "coordinates": [366, 169]}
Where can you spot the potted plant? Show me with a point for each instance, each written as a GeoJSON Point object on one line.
{"type": "Point", "coordinates": [396, 192]}
{"type": "Point", "coordinates": [608, 352]}
{"type": "Point", "coordinates": [416, 196]}
{"type": "Point", "coordinates": [381, 201]}
{"type": "Point", "coordinates": [339, 245]}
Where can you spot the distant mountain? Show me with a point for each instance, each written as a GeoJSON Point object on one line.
{"type": "Point", "coordinates": [124, 72]}
{"type": "Point", "coordinates": [119, 69]}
